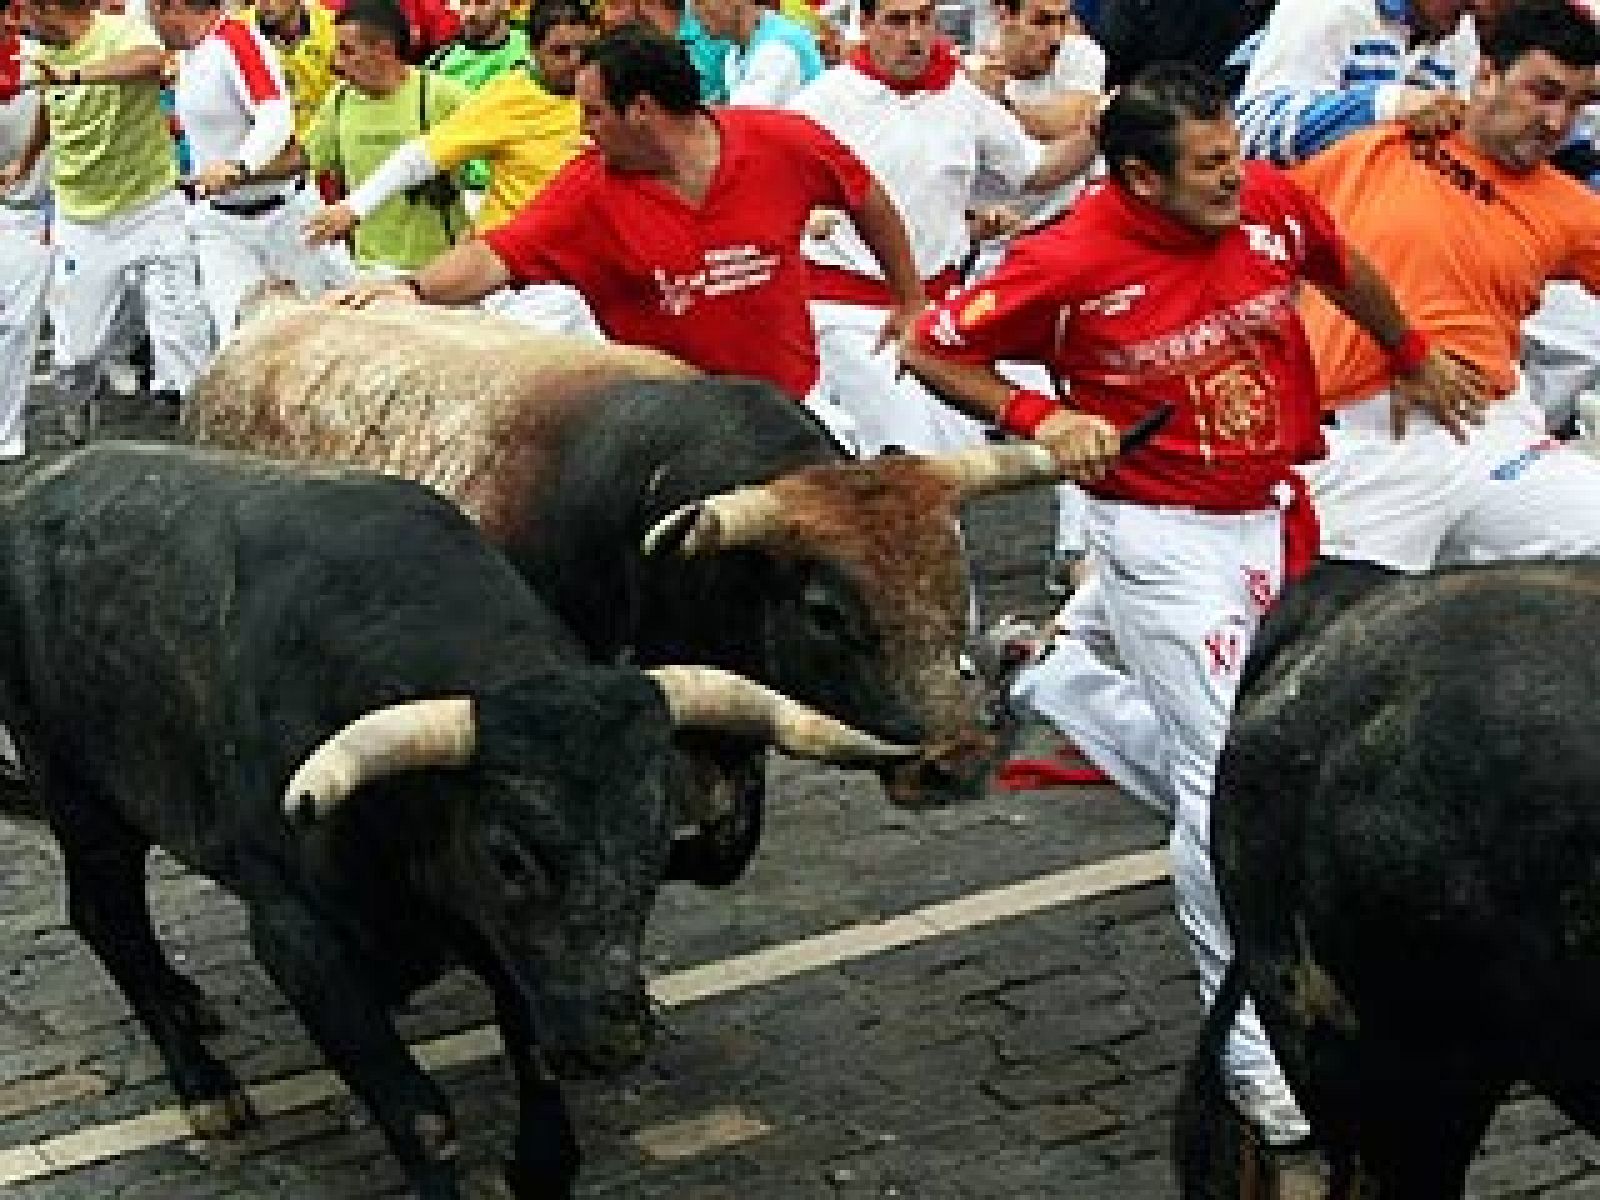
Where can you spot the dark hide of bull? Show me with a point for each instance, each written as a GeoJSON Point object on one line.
{"type": "Point", "coordinates": [181, 628]}
{"type": "Point", "coordinates": [1408, 852]}
{"type": "Point", "coordinates": [797, 612]}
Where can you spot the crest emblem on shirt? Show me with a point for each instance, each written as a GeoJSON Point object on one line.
{"type": "Point", "coordinates": [976, 309]}
{"type": "Point", "coordinates": [1267, 242]}
{"type": "Point", "coordinates": [1237, 406]}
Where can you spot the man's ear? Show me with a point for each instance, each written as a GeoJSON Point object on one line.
{"type": "Point", "coordinates": [1143, 180]}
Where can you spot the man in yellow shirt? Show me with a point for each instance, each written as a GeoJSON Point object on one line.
{"type": "Point", "coordinates": [301, 31]}
{"type": "Point", "coordinates": [523, 124]}
{"type": "Point", "coordinates": [119, 220]}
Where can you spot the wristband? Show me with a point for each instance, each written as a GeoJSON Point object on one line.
{"type": "Point", "coordinates": [1409, 353]}
{"type": "Point", "coordinates": [415, 284]}
{"type": "Point", "coordinates": [1026, 410]}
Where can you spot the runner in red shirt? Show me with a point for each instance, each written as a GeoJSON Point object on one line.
{"type": "Point", "coordinates": [1173, 283]}
{"type": "Point", "coordinates": [682, 227]}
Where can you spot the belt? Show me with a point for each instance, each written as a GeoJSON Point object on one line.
{"type": "Point", "coordinates": [252, 208]}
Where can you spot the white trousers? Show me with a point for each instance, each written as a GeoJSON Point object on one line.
{"type": "Point", "coordinates": [1512, 492]}
{"type": "Point", "coordinates": [236, 253]}
{"type": "Point", "coordinates": [146, 250]}
{"type": "Point", "coordinates": [1180, 596]}
{"type": "Point", "coordinates": [864, 398]}
{"type": "Point", "coordinates": [24, 284]}
{"type": "Point", "coordinates": [1561, 351]}
{"type": "Point", "coordinates": [548, 307]}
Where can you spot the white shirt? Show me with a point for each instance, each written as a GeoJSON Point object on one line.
{"type": "Point", "coordinates": [233, 103]}
{"type": "Point", "coordinates": [768, 78]}
{"type": "Point", "coordinates": [926, 149]}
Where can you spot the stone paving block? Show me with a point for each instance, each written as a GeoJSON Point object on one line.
{"type": "Point", "coordinates": [1522, 1170]}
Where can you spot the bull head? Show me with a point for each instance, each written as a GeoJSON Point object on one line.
{"type": "Point", "coordinates": [443, 733]}
{"type": "Point", "coordinates": [750, 515]}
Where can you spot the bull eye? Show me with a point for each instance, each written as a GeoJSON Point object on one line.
{"type": "Point", "coordinates": [826, 614]}
{"type": "Point", "coordinates": [516, 864]}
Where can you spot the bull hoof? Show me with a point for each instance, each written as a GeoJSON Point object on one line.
{"type": "Point", "coordinates": [226, 1116]}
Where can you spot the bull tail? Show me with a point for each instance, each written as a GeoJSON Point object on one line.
{"type": "Point", "coordinates": [1205, 1136]}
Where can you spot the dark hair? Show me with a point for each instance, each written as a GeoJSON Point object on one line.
{"type": "Point", "coordinates": [635, 61]}
{"type": "Point", "coordinates": [549, 14]}
{"type": "Point", "coordinates": [379, 18]}
{"type": "Point", "coordinates": [1141, 122]}
{"type": "Point", "coordinates": [1558, 27]}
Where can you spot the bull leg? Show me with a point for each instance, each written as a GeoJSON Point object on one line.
{"type": "Point", "coordinates": [545, 1161]}
{"type": "Point", "coordinates": [108, 906]}
{"type": "Point", "coordinates": [353, 1029]}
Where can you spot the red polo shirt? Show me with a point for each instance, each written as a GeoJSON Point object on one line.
{"type": "Point", "coordinates": [1134, 308]}
{"type": "Point", "coordinates": [720, 285]}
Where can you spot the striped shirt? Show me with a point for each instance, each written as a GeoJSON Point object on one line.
{"type": "Point", "coordinates": [1322, 69]}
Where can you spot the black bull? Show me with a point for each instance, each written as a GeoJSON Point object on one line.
{"type": "Point", "coordinates": [1407, 844]}
{"type": "Point", "coordinates": [179, 630]}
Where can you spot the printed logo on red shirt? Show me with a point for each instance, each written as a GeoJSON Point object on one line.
{"type": "Point", "coordinates": [1114, 304]}
{"type": "Point", "coordinates": [1267, 242]}
{"type": "Point", "coordinates": [729, 269]}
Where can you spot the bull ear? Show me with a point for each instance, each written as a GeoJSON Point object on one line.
{"type": "Point", "coordinates": [709, 698]}
{"type": "Point", "coordinates": [741, 517]}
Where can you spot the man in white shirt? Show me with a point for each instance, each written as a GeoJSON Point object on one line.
{"type": "Point", "coordinates": [926, 131]}
{"type": "Point", "coordinates": [234, 106]}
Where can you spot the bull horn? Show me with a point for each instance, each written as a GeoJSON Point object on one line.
{"type": "Point", "coordinates": [986, 469]}
{"type": "Point", "coordinates": [385, 742]}
{"type": "Point", "coordinates": [709, 698]}
{"type": "Point", "coordinates": [718, 522]}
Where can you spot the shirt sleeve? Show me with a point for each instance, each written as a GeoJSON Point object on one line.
{"type": "Point", "coordinates": [1005, 151]}
{"type": "Point", "coordinates": [1080, 65]}
{"type": "Point", "coordinates": [1583, 262]}
{"type": "Point", "coordinates": [832, 174]}
{"type": "Point", "coordinates": [1296, 100]}
{"type": "Point", "coordinates": [548, 240]}
{"type": "Point", "coordinates": [771, 75]}
{"type": "Point", "coordinates": [1321, 248]}
{"type": "Point", "coordinates": [1019, 312]}
{"type": "Point", "coordinates": [258, 80]}
{"type": "Point", "coordinates": [477, 129]}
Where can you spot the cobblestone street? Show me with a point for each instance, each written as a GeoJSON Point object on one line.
{"type": "Point", "coordinates": [1026, 1044]}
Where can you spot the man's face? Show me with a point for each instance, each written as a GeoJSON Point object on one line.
{"type": "Point", "coordinates": [558, 54]}
{"type": "Point", "coordinates": [280, 14]}
{"type": "Point", "coordinates": [1203, 190]}
{"type": "Point", "coordinates": [44, 22]}
{"type": "Point", "coordinates": [719, 18]}
{"type": "Point", "coordinates": [360, 57]}
{"type": "Point", "coordinates": [1029, 41]}
{"type": "Point", "coordinates": [619, 136]}
{"type": "Point", "coordinates": [179, 27]}
{"type": "Point", "coordinates": [1523, 115]}
{"type": "Point", "coordinates": [900, 37]}
{"type": "Point", "coordinates": [483, 21]}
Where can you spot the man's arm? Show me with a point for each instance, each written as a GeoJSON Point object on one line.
{"type": "Point", "coordinates": [879, 224]}
{"type": "Point", "coordinates": [1064, 160]}
{"type": "Point", "coordinates": [22, 166]}
{"type": "Point", "coordinates": [1060, 116]}
{"type": "Point", "coordinates": [144, 63]}
{"type": "Point", "coordinates": [408, 166]}
{"type": "Point", "coordinates": [1447, 387]}
{"type": "Point", "coordinates": [462, 275]}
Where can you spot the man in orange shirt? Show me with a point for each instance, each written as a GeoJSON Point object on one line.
{"type": "Point", "coordinates": [1467, 230]}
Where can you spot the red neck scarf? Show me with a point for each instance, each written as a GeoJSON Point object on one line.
{"type": "Point", "coordinates": [936, 76]}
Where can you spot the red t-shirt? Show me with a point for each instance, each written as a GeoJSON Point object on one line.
{"type": "Point", "coordinates": [1134, 308]}
{"type": "Point", "coordinates": [721, 286]}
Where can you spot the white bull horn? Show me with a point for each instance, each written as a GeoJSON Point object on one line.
{"type": "Point", "coordinates": [718, 522]}
{"type": "Point", "coordinates": [986, 469]}
{"type": "Point", "coordinates": [385, 742]}
{"type": "Point", "coordinates": [709, 698]}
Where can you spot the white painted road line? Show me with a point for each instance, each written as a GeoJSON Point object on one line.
{"type": "Point", "coordinates": [100, 1143]}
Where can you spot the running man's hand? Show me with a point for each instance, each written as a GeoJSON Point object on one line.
{"type": "Point", "coordinates": [215, 178]}
{"type": "Point", "coordinates": [1086, 446]}
{"type": "Point", "coordinates": [1451, 389]}
{"type": "Point", "coordinates": [822, 222]}
{"type": "Point", "coordinates": [10, 174]}
{"type": "Point", "coordinates": [330, 224]}
{"type": "Point", "coordinates": [364, 294]}
{"type": "Point", "coordinates": [996, 220]}
{"type": "Point", "coordinates": [896, 324]}
{"type": "Point", "coordinates": [1429, 114]}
